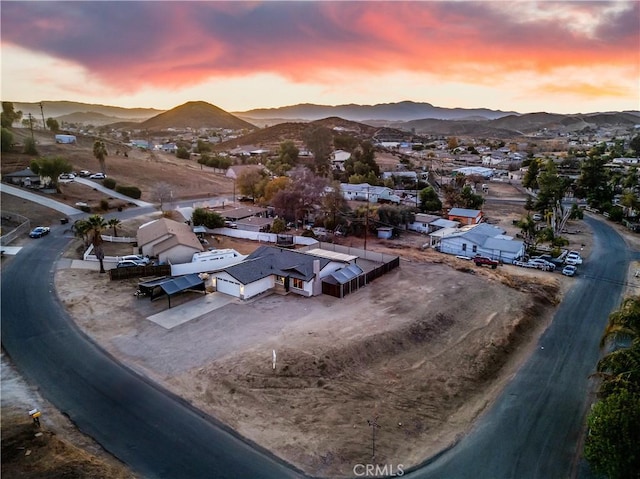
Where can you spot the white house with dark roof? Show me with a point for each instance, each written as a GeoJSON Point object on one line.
{"type": "Point", "coordinates": [279, 269]}
{"type": "Point", "coordinates": [482, 239]}
{"type": "Point", "coordinates": [366, 192]}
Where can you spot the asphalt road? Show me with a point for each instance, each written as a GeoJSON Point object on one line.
{"type": "Point", "coordinates": [157, 434]}
{"type": "Point", "coordinates": [532, 431]}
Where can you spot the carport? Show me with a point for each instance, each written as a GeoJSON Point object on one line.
{"type": "Point", "coordinates": [172, 286]}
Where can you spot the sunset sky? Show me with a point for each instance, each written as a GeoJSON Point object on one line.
{"type": "Point", "coordinates": [563, 57]}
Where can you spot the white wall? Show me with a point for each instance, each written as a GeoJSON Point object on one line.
{"type": "Point", "coordinates": [204, 266]}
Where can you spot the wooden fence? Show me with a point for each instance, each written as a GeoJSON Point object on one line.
{"type": "Point", "coordinates": [139, 271]}
{"type": "Point", "coordinates": [341, 290]}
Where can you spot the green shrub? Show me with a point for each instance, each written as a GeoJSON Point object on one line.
{"type": "Point", "coordinates": [30, 147]}
{"type": "Point", "coordinates": [7, 140]}
{"type": "Point", "coordinates": [104, 204]}
{"type": "Point", "coordinates": [183, 153]}
{"type": "Point", "coordinates": [109, 183]}
{"type": "Point", "coordinates": [130, 191]}
{"type": "Point", "coordinates": [85, 208]}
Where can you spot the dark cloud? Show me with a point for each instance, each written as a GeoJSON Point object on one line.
{"type": "Point", "coordinates": [130, 44]}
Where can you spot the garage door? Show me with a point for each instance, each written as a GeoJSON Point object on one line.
{"type": "Point", "coordinates": [226, 286]}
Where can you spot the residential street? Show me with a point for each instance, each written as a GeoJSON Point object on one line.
{"type": "Point", "coordinates": [533, 429]}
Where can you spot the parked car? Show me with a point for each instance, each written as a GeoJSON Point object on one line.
{"type": "Point", "coordinates": [66, 176]}
{"type": "Point", "coordinates": [138, 258]}
{"type": "Point", "coordinates": [569, 270]}
{"type": "Point", "coordinates": [84, 173]}
{"type": "Point", "coordinates": [550, 259]}
{"type": "Point", "coordinates": [98, 176]}
{"type": "Point", "coordinates": [480, 260]}
{"type": "Point", "coordinates": [128, 263]}
{"type": "Point", "coordinates": [573, 258]}
{"type": "Point", "coordinates": [39, 232]}
{"type": "Point", "coordinates": [542, 264]}
{"type": "Point", "coordinates": [537, 217]}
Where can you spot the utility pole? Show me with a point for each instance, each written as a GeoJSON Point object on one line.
{"type": "Point", "coordinates": [44, 125]}
{"type": "Point", "coordinates": [366, 221]}
{"type": "Point", "coordinates": [373, 423]}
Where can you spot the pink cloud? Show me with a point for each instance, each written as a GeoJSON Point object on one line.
{"type": "Point", "coordinates": [133, 45]}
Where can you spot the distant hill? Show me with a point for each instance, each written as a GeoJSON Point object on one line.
{"type": "Point", "coordinates": [56, 109]}
{"type": "Point", "coordinates": [403, 111]}
{"type": "Point", "coordinates": [271, 137]}
{"type": "Point", "coordinates": [196, 115]}
{"type": "Point", "coordinates": [517, 125]}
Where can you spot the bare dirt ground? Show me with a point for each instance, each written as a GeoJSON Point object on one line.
{"type": "Point", "coordinates": [425, 348]}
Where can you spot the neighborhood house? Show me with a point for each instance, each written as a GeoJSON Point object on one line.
{"type": "Point", "coordinates": [482, 239]}
{"type": "Point", "coordinates": [465, 216]}
{"type": "Point", "coordinates": [278, 269]}
{"type": "Point", "coordinates": [170, 241]}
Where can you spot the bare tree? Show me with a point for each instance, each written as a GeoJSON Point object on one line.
{"type": "Point", "coordinates": [162, 193]}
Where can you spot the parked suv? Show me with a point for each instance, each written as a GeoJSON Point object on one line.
{"type": "Point", "coordinates": [128, 263]}
{"type": "Point", "coordinates": [480, 260]}
{"type": "Point", "coordinates": [144, 260]}
{"type": "Point", "coordinates": [542, 264]}
{"type": "Point", "coordinates": [573, 258]}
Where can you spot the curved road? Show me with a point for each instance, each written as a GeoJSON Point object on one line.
{"type": "Point", "coordinates": [155, 433]}
{"type": "Point", "coordinates": [531, 431]}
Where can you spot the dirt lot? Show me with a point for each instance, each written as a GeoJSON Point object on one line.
{"type": "Point", "coordinates": [425, 348]}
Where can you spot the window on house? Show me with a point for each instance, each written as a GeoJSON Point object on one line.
{"type": "Point", "coordinates": [298, 283]}
{"type": "Point", "coordinates": [464, 246]}
{"type": "Point", "coordinates": [474, 249]}
{"type": "Point", "coordinates": [279, 279]}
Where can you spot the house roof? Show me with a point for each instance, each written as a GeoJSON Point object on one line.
{"type": "Point", "coordinates": [442, 223]}
{"type": "Point", "coordinates": [510, 246]}
{"type": "Point", "coordinates": [164, 227]}
{"type": "Point", "coordinates": [425, 218]}
{"type": "Point", "coordinates": [464, 212]}
{"type": "Point", "coordinates": [269, 260]}
{"type": "Point", "coordinates": [182, 283]}
{"type": "Point", "coordinates": [22, 174]}
{"type": "Point", "coordinates": [486, 236]}
{"type": "Point", "coordinates": [239, 213]}
{"type": "Point", "coordinates": [190, 241]}
{"type": "Point", "coordinates": [477, 233]}
{"type": "Point", "coordinates": [364, 188]}
{"type": "Point", "coordinates": [254, 221]}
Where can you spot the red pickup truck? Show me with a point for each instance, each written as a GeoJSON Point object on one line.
{"type": "Point", "coordinates": [480, 260]}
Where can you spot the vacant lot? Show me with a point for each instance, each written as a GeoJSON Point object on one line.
{"type": "Point", "coordinates": [424, 349]}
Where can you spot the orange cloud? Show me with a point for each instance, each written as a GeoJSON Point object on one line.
{"type": "Point", "coordinates": [132, 45]}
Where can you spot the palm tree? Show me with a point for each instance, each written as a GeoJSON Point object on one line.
{"type": "Point", "coordinates": [100, 152]}
{"type": "Point", "coordinates": [80, 229]}
{"type": "Point", "coordinates": [624, 324]}
{"type": "Point", "coordinates": [97, 225]}
{"type": "Point", "coordinates": [114, 223]}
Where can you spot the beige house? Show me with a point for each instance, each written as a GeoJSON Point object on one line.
{"type": "Point", "coordinates": [170, 241]}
